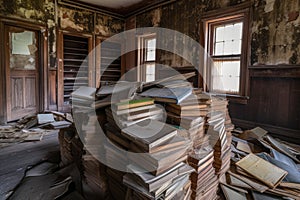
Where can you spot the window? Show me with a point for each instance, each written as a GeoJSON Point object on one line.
{"type": "Point", "coordinates": [227, 45]}
{"type": "Point", "coordinates": [147, 55]}
{"type": "Point", "coordinates": [226, 55]}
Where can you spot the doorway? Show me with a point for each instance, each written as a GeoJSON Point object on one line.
{"type": "Point", "coordinates": [23, 68]}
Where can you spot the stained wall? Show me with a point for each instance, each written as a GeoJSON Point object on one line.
{"type": "Point", "coordinates": [273, 63]}
{"type": "Point", "coordinates": [61, 17]}
{"type": "Point", "coordinates": [275, 29]}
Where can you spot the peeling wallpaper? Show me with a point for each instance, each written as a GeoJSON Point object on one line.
{"type": "Point", "coordinates": [34, 10]}
{"type": "Point", "coordinates": [106, 25]}
{"type": "Point", "coordinates": [76, 20]}
{"type": "Point", "coordinates": [69, 18]}
{"type": "Point", "coordinates": [275, 31]}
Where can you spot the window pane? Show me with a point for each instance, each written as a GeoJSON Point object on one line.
{"type": "Point", "coordinates": [150, 45]}
{"type": "Point", "coordinates": [219, 48]}
{"type": "Point", "coordinates": [219, 34]}
{"type": "Point", "coordinates": [226, 76]}
{"type": "Point", "coordinates": [236, 46]}
{"type": "Point", "coordinates": [228, 48]}
{"type": "Point", "coordinates": [23, 50]}
{"type": "Point", "coordinates": [232, 47]}
{"type": "Point", "coordinates": [228, 30]}
{"type": "Point", "coordinates": [150, 72]}
{"type": "Point", "coordinates": [231, 36]}
{"type": "Point", "coordinates": [238, 30]}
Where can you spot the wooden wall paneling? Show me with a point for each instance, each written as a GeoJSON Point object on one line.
{"type": "Point", "coordinates": [29, 84]}
{"type": "Point", "coordinates": [7, 70]}
{"type": "Point", "coordinates": [122, 54]}
{"type": "Point", "coordinates": [281, 103]}
{"type": "Point", "coordinates": [98, 60]}
{"type": "Point", "coordinates": [60, 71]}
{"type": "Point", "coordinates": [3, 111]}
{"type": "Point", "coordinates": [294, 103]}
{"type": "Point", "coordinates": [274, 100]}
{"type": "Point", "coordinates": [130, 65]}
{"type": "Point", "coordinates": [17, 94]}
{"type": "Point", "coordinates": [91, 60]}
{"type": "Point", "coordinates": [269, 102]}
{"type": "Point", "coordinates": [130, 57]}
{"type": "Point", "coordinates": [52, 89]}
{"type": "Point", "coordinates": [123, 61]}
{"type": "Point", "coordinates": [45, 71]}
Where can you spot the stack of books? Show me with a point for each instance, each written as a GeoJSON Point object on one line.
{"type": "Point", "coordinates": [172, 184]}
{"type": "Point", "coordinates": [170, 95]}
{"type": "Point", "coordinates": [190, 127]}
{"type": "Point", "coordinates": [156, 161]}
{"type": "Point", "coordinates": [71, 147]}
{"type": "Point", "coordinates": [83, 97]}
{"type": "Point", "coordinates": [218, 140]}
{"type": "Point", "coordinates": [115, 183]}
{"type": "Point", "coordinates": [124, 114]}
{"type": "Point", "coordinates": [115, 156]}
{"type": "Point", "coordinates": [189, 114]}
{"type": "Point", "coordinates": [204, 180]}
{"type": "Point", "coordinates": [91, 138]}
{"type": "Point", "coordinates": [129, 112]}
{"type": "Point", "coordinates": [65, 149]}
{"type": "Point", "coordinates": [94, 176]}
{"type": "Point", "coordinates": [90, 98]}
{"type": "Point", "coordinates": [190, 107]}
{"type": "Point", "coordinates": [154, 152]}
{"type": "Point", "coordinates": [113, 133]}
{"type": "Point", "coordinates": [221, 105]}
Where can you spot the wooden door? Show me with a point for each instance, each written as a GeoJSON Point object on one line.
{"type": "Point", "coordinates": [22, 69]}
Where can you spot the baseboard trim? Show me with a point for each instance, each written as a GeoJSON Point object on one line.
{"type": "Point", "coordinates": [290, 135]}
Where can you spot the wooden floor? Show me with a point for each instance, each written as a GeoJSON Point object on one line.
{"type": "Point", "coordinates": [16, 158]}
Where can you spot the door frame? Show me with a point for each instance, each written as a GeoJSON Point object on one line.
{"type": "Point", "coordinates": [60, 64]}
{"type": "Point", "coordinates": [43, 64]}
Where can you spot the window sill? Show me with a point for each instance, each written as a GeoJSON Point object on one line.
{"type": "Point", "coordinates": [237, 99]}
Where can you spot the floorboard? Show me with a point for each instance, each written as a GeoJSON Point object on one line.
{"type": "Point", "coordinates": [16, 158]}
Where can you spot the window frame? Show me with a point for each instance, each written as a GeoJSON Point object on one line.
{"type": "Point", "coordinates": [232, 57]}
{"type": "Point", "coordinates": [142, 51]}
{"type": "Point", "coordinates": [212, 19]}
